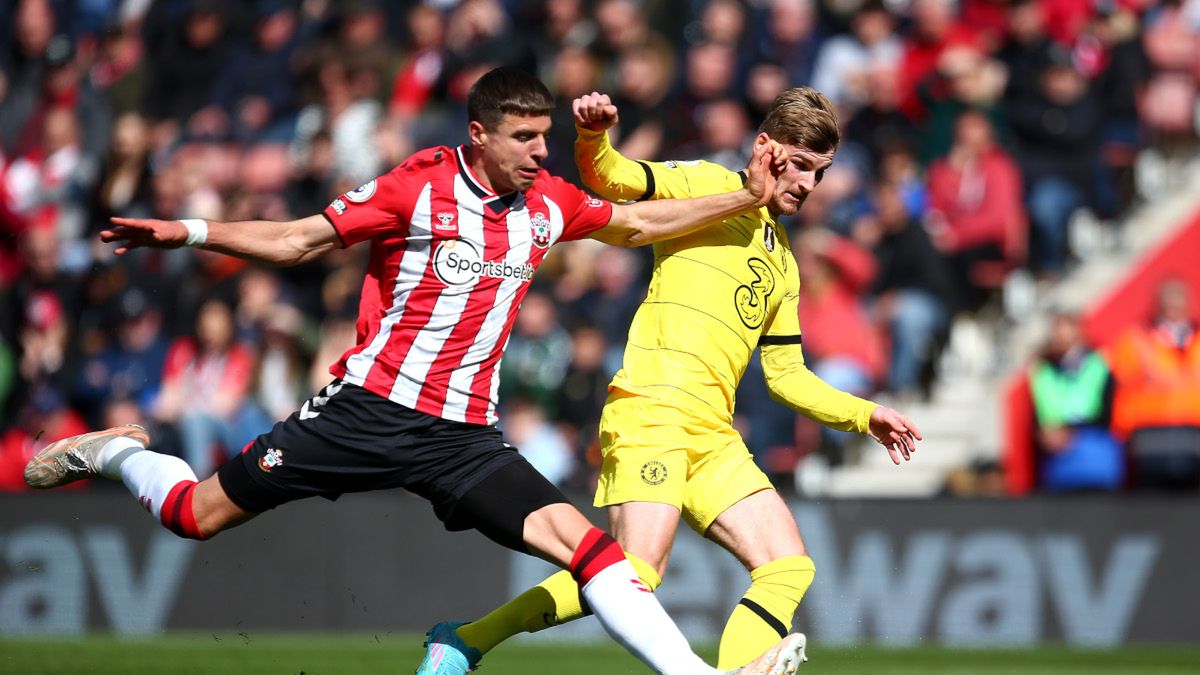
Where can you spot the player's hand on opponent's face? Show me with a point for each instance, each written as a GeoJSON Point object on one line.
{"type": "Point", "coordinates": [594, 112]}
{"type": "Point", "coordinates": [131, 233]}
{"type": "Point", "coordinates": [765, 165]}
{"type": "Point", "coordinates": [895, 432]}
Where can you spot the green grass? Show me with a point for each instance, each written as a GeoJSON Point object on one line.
{"type": "Point", "coordinates": [324, 654]}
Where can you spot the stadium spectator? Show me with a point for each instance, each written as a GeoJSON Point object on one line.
{"type": "Point", "coordinates": [841, 344]}
{"type": "Point", "coordinates": [1056, 130]}
{"type": "Point", "coordinates": [538, 354]}
{"type": "Point", "coordinates": [725, 136]}
{"type": "Point", "coordinates": [764, 81]}
{"type": "Point", "coordinates": [413, 89]}
{"type": "Point", "coordinates": [965, 79]}
{"type": "Point", "coordinates": [258, 98]}
{"type": "Point", "coordinates": [935, 28]}
{"type": "Point", "coordinates": [912, 288]}
{"type": "Point", "coordinates": [1156, 408]}
{"type": "Point", "coordinates": [789, 33]}
{"type": "Point", "coordinates": [188, 59]}
{"type": "Point", "coordinates": [43, 343]}
{"type": "Point", "coordinates": [205, 385]}
{"type": "Point", "coordinates": [119, 70]}
{"type": "Point", "coordinates": [1027, 49]}
{"type": "Point", "coordinates": [610, 299]}
{"type": "Point", "coordinates": [125, 183]}
{"type": "Point", "coordinates": [349, 113]}
{"type": "Point", "coordinates": [976, 216]}
{"type": "Point", "coordinates": [131, 367]}
{"type": "Point", "coordinates": [845, 61]}
{"type": "Point", "coordinates": [281, 380]}
{"type": "Point", "coordinates": [709, 75]}
{"type": "Point", "coordinates": [354, 36]}
{"type": "Point", "coordinates": [25, 67]}
{"type": "Point", "coordinates": [879, 124]}
{"type": "Point", "coordinates": [576, 72]}
{"type": "Point", "coordinates": [539, 441]}
{"type": "Point", "coordinates": [1114, 53]}
{"type": "Point", "coordinates": [645, 73]}
{"type": "Point", "coordinates": [584, 388]}
{"type": "Point", "coordinates": [1072, 393]}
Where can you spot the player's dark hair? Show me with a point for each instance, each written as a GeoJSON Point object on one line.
{"type": "Point", "coordinates": [507, 91]}
{"type": "Point", "coordinates": [803, 116]}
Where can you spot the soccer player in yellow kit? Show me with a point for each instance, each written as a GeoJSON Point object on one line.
{"type": "Point", "coordinates": [669, 446]}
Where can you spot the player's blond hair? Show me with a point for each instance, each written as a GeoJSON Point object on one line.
{"type": "Point", "coordinates": [803, 116]}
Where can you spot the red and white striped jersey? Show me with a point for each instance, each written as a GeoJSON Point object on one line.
{"type": "Point", "coordinates": [450, 264]}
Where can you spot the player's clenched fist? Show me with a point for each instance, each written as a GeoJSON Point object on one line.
{"type": "Point", "coordinates": [594, 112]}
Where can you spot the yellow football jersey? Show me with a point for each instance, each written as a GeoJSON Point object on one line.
{"type": "Point", "coordinates": [715, 296]}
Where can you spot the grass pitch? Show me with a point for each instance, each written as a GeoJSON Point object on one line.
{"type": "Point", "coordinates": [326, 654]}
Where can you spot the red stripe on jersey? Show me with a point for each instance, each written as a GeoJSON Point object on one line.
{"type": "Point", "coordinates": [380, 283]}
{"type": "Point", "coordinates": [462, 338]}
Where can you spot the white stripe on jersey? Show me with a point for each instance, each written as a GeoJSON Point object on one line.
{"type": "Point", "coordinates": [445, 316]}
{"type": "Point", "coordinates": [413, 262]}
{"type": "Point", "coordinates": [520, 242]}
{"type": "Point", "coordinates": [556, 219]}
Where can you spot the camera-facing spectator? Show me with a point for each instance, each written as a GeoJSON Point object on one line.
{"type": "Point", "coordinates": [1072, 391]}
{"type": "Point", "coordinates": [1157, 401]}
{"type": "Point", "coordinates": [976, 216]}
{"type": "Point", "coordinates": [206, 383]}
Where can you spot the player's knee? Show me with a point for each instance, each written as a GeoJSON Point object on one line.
{"type": "Point", "coordinates": [649, 575]}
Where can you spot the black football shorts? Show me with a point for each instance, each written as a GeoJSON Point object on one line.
{"type": "Point", "coordinates": [347, 439]}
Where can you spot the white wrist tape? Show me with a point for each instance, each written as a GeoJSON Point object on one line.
{"type": "Point", "coordinates": [197, 231]}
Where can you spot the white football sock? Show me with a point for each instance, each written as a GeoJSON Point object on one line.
{"type": "Point", "coordinates": [633, 617]}
{"type": "Point", "coordinates": [114, 452]}
{"type": "Point", "coordinates": [150, 477]}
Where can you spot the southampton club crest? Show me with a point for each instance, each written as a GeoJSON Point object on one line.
{"type": "Point", "coordinates": [540, 225]}
{"type": "Point", "coordinates": [272, 459]}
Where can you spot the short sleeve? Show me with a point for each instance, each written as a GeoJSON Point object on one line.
{"type": "Point", "coordinates": [382, 206]}
{"type": "Point", "coordinates": [582, 213]}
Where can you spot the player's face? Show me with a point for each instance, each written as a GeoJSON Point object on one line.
{"type": "Point", "coordinates": [513, 151]}
{"type": "Point", "coordinates": [800, 176]}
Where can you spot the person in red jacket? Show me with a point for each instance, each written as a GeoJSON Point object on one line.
{"type": "Point", "coordinates": [976, 214]}
{"type": "Point", "coordinates": [206, 382]}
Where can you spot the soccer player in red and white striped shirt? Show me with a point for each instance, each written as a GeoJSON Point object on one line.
{"type": "Point", "coordinates": [456, 235]}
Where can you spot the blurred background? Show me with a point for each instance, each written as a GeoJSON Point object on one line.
{"type": "Point", "coordinates": [1004, 248]}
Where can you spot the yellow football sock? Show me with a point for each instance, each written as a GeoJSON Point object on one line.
{"type": "Point", "coordinates": [764, 615]}
{"type": "Point", "coordinates": [556, 600]}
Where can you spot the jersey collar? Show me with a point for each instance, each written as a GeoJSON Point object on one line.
{"type": "Point", "coordinates": [496, 203]}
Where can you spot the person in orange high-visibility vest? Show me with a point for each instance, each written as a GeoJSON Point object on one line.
{"type": "Point", "coordinates": [1156, 406]}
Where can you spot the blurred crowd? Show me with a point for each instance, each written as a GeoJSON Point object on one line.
{"type": "Point", "coordinates": [975, 131]}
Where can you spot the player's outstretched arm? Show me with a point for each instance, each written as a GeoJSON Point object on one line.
{"type": "Point", "coordinates": [647, 222]}
{"type": "Point", "coordinates": [271, 242]}
{"type": "Point", "coordinates": [791, 382]}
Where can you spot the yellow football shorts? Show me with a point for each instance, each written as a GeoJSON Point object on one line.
{"type": "Point", "coordinates": [656, 452]}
